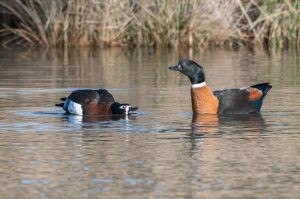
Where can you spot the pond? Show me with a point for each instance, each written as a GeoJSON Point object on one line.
{"type": "Point", "coordinates": [159, 152]}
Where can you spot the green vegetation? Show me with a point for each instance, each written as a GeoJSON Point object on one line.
{"type": "Point", "coordinates": [159, 23]}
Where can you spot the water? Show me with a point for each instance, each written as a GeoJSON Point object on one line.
{"type": "Point", "coordinates": [161, 151]}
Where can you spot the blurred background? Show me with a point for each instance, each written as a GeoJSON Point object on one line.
{"type": "Point", "coordinates": [160, 23]}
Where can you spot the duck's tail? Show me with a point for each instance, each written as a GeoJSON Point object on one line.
{"type": "Point", "coordinates": [61, 104]}
{"type": "Point", "coordinates": [264, 87]}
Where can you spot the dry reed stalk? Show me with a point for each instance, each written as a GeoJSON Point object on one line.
{"type": "Point", "coordinates": [157, 23]}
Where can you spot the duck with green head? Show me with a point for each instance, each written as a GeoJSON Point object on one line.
{"type": "Point", "coordinates": [229, 101]}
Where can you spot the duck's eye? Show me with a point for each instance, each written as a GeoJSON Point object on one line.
{"type": "Point", "coordinates": [122, 107]}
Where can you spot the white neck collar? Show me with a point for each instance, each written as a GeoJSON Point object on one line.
{"type": "Point", "coordinates": [199, 85]}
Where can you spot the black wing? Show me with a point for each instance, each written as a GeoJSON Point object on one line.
{"type": "Point", "coordinates": [234, 101]}
{"type": "Point", "coordinates": [105, 96]}
{"type": "Point", "coordinates": [86, 96]}
{"type": "Point", "coordinates": [263, 87]}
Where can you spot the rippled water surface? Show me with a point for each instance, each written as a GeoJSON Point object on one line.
{"type": "Point", "coordinates": [159, 152]}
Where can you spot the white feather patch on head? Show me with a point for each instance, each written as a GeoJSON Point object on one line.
{"type": "Point", "coordinates": [127, 109]}
{"type": "Point", "coordinates": [75, 108]}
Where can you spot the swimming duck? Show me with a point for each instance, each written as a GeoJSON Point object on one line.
{"type": "Point", "coordinates": [94, 102]}
{"type": "Point", "coordinates": [229, 101]}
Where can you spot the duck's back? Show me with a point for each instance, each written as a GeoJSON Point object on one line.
{"type": "Point", "coordinates": [241, 101]}
{"type": "Point", "coordinates": [87, 95]}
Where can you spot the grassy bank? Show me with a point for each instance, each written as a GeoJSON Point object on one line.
{"type": "Point", "coordinates": [160, 23]}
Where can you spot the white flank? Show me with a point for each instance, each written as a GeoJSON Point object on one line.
{"type": "Point", "coordinates": [198, 85]}
{"type": "Point", "coordinates": [74, 108]}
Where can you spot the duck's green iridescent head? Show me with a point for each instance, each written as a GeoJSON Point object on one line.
{"type": "Point", "coordinates": [191, 69]}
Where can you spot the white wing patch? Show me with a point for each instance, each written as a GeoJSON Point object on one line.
{"type": "Point", "coordinates": [74, 108]}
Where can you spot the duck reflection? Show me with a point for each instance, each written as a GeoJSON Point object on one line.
{"type": "Point", "coordinates": [210, 123]}
{"type": "Point", "coordinates": [205, 123]}
{"type": "Point", "coordinates": [207, 127]}
{"type": "Point", "coordinates": [252, 124]}
{"type": "Point", "coordinates": [98, 118]}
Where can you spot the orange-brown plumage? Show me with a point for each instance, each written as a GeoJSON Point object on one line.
{"type": "Point", "coordinates": [204, 101]}
{"type": "Point", "coordinates": [254, 93]}
{"type": "Point", "coordinates": [96, 108]}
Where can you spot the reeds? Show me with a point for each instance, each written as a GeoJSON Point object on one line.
{"type": "Point", "coordinates": [159, 23]}
{"type": "Point", "coordinates": [269, 23]}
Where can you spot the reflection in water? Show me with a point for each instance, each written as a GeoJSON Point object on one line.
{"type": "Point", "coordinates": [207, 126]}
{"type": "Point", "coordinates": [210, 123]}
{"type": "Point", "coordinates": [98, 118]}
{"type": "Point", "coordinates": [255, 121]}
{"type": "Point", "coordinates": [205, 123]}
{"type": "Point", "coordinates": [156, 153]}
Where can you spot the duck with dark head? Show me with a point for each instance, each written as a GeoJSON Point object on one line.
{"type": "Point", "coordinates": [94, 102]}
{"type": "Point", "coordinates": [229, 101]}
